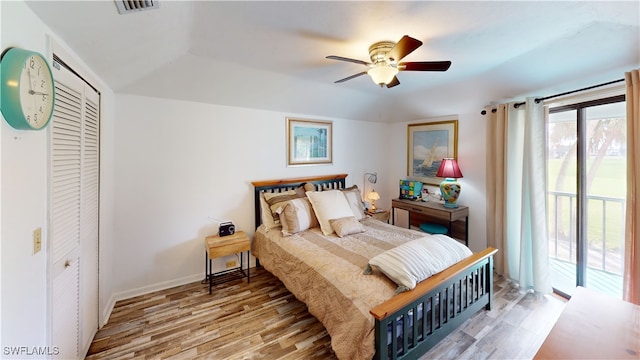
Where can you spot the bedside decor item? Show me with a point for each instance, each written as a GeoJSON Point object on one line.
{"type": "Point", "coordinates": [449, 187]}
{"type": "Point", "coordinates": [26, 88]}
{"type": "Point", "coordinates": [410, 189]}
{"type": "Point", "coordinates": [371, 177]}
{"type": "Point", "coordinates": [373, 196]}
{"type": "Point", "coordinates": [427, 144]}
{"type": "Point", "coordinates": [226, 229]}
{"type": "Point", "coordinates": [309, 142]}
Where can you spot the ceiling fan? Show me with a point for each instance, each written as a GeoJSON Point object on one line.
{"type": "Point", "coordinates": [385, 65]}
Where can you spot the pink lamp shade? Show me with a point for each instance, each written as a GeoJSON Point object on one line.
{"type": "Point", "coordinates": [449, 169]}
{"type": "Point", "coordinates": [449, 187]}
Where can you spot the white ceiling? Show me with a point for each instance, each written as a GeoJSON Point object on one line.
{"type": "Point", "coordinates": [271, 55]}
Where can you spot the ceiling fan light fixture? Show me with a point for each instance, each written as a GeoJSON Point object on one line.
{"type": "Point", "coordinates": [382, 74]}
{"type": "Point", "coordinates": [385, 62]}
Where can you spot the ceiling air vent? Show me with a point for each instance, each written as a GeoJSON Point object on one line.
{"type": "Point", "coordinates": [129, 6]}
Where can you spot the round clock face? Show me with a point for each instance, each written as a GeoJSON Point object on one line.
{"type": "Point", "coordinates": [36, 92]}
{"type": "Point", "coordinates": [27, 89]}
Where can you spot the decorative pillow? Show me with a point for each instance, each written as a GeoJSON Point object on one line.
{"type": "Point", "coordinates": [300, 190]}
{"type": "Point", "coordinates": [297, 215]}
{"type": "Point", "coordinates": [354, 198]}
{"type": "Point", "coordinates": [330, 204]}
{"type": "Point", "coordinates": [265, 214]}
{"type": "Point", "coordinates": [269, 200]}
{"type": "Point", "coordinates": [416, 260]}
{"type": "Point", "coordinates": [346, 226]}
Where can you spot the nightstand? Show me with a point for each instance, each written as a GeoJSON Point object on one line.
{"type": "Point", "coordinates": [382, 215]}
{"type": "Point", "coordinates": [219, 246]}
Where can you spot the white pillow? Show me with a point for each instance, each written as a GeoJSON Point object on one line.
{"type": "Point", "coordinates": [354, 198]}
{"type": "Point", "coordinates": [416, 260]}
{"type": "Point", "coordinates": [328, 205]}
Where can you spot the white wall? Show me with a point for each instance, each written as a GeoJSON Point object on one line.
{"type": "Point", "coordinates": [179, 163]}
{"type": "Point", "coordinates": [24, 177]}
{"type": "Point", "coordinates": [24, 204]}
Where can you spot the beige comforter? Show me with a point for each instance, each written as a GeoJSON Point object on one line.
{"type": "Point", "coordinates": [326, 273]}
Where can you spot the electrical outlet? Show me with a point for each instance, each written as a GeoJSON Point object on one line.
{"type": "Point", "coordinates": [231, 264]}
{"type": "Point", "coordinates": [37, 240]}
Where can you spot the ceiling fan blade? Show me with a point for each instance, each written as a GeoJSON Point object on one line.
{"type": "Point", "coordinates": [404, 47]}
{"type": "Point", "coordinates": [334, 57]}
{"type": "Point", "coordinates": [351, 77]}
{"type": "Point", "coordinates": [393, 82]}
{"type": "Point", "coordinates": [425, 66]}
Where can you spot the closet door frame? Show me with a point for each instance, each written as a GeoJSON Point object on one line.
{"type": "Point", "coordinates": [85, 330]}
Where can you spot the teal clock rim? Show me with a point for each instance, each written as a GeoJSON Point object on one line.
{"type": "Point", "coordinates": [13, 59]}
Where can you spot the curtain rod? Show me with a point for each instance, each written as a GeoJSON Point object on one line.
{"type": "Point", "coordinates": [537, 100]}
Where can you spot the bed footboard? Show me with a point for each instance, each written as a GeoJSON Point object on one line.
{"type": "Point", "coordinates": [409, 324]}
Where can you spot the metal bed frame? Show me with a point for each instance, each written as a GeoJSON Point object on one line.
{"type": "Point", "coordinates": [412, 322]}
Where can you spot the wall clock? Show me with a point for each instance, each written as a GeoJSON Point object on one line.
{"type": "Point", "coordinates": [26, 89]}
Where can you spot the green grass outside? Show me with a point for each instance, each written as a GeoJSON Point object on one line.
{"type": "Point", "coordinates": [610, 181]}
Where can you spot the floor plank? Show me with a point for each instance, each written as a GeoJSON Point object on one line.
{"type": "Point", "coordinates": [263, 320]}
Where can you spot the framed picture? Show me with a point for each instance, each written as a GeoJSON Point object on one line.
{"type": "Point", "coordinates": [427, 145]}
{"type": "Point", "coordinates": [309, 142]}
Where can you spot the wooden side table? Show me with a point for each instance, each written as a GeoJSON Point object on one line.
{"type": "Point", "coordinates": [380, 215]}
{"type": "Point", "coordinates": [219, 246]}
{"type": "Point", "coordinates": [436, 211]}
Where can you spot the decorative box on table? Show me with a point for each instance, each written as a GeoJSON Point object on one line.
{"type": "Point", "coordinates": [410, 189]}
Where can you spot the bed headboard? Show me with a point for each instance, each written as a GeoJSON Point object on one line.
{"type": "Point", "coordinates": [321, 183]}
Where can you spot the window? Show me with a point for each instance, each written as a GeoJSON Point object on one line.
{"type": "Point", "coordinates": [586, 189]}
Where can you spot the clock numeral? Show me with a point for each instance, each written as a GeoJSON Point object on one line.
{"type": "Point", "coordinates": [44, 97]}
{"type": "Point", "coordinates": [42, 84]}
{"type": "Point", "coordinates": [32, 63]}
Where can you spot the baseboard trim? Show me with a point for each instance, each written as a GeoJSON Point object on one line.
{"type": "Point", "coordinates": [156, 287]}
{"type": "Point", "coordinates": [106, 313]}
{"type": "Point", "coordinates": [123, 295]}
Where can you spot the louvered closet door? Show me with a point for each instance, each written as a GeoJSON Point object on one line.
{"type": "Point", "coordinates": [89, 219]}
{"type": "Point", "coordinates": [74, 215]}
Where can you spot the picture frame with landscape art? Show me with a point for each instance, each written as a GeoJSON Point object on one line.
{"type": "Point", "coordinates": [309, 142]}
{"type": "Point", "coordinates": [427, 145]}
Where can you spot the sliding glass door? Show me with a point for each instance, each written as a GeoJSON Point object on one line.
{"type": "Point", "coordinates": [586, 187]}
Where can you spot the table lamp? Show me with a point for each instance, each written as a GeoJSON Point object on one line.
{"type": "Point", "coordinates": [449, 187]}
{"type": "Point", "coordinates": [373, 196]}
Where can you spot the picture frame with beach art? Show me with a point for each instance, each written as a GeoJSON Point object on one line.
{"type": "Point", "coordinates": [427, 144]}
{"type": "Point", "coordinates": [309, 142]}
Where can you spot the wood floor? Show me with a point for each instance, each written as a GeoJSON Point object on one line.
{"type": "Point", "coordinates": [262, 320]}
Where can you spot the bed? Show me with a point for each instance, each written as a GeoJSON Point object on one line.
{"type": "Point", "coordinates": [363, 313]}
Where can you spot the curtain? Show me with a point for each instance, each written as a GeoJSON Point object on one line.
{"type": "Point", "coordinates": [631, 277]}
{"type": "Point", "coordinates": [496, 178]}
{"type": "Point", "coordinates": [516, 194]}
